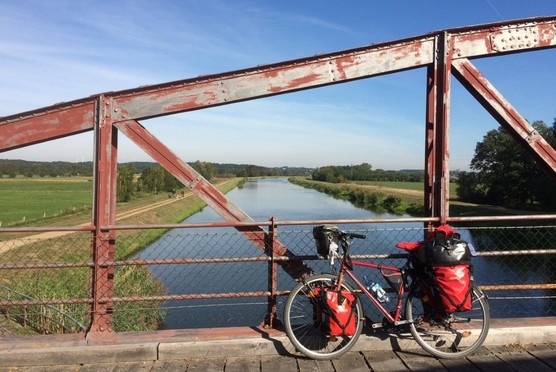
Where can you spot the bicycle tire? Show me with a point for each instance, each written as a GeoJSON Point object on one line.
{"type": "Point", "coordinates": [456, 335]}
{"type": "Point", "coordinates": [300, 327]}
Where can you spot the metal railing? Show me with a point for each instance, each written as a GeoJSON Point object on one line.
{"type": "Point", "coordinates": [207, 275]}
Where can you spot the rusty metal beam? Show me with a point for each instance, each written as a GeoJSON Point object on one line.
{"type": "Point", "coordinates": [377, 59]}
{"type": "Point", "coordinates": [262, 81]}
{"type": "Point", "coordinates": [504, 37]}
{"type": "Point", "coordinates": [436, 132]}
{"type": "Point", "coordinates": [46, 124]}
{"type": "Point", "coordinates": [312, 72]}
{"type": "Point", "coordinates": [505, 114]}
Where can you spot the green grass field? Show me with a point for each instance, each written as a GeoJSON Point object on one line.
{"type": "Point", "coordinates": [35, 198]}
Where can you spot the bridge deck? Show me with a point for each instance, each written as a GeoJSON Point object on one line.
{"type": "Point", "coordinates": [513, 344]}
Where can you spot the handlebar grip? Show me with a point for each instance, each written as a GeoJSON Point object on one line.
{"type": "Point", "coordinates": [358, 236]}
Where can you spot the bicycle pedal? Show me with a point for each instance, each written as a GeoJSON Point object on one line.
{"type": "Point", "coordinates": [377, 325]}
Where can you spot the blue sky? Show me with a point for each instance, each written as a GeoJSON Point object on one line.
{"type": "Point", "coordinates": [56, 51]}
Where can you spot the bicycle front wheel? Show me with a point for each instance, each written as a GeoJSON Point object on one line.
{"type": "Point", "coordinates": [306, 332]}
{"type": "Point", "coordinates": [450, 336]}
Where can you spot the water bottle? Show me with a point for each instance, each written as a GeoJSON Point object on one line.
{"type": "Point", "coordinates": [377, 290]}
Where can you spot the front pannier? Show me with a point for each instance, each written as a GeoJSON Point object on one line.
{"type": "Point", "coordinates": [326, 238]}
{"type": "Point", "coordinates": [334, 311]}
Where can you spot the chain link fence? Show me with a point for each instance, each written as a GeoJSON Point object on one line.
{"type": "Point", "coordinates": [220, 277]}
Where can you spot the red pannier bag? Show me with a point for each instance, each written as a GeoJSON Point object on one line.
{"type": "Point", "coordinates": [454, 287]}
{"type": "Point", "coordinates": [339, 315]}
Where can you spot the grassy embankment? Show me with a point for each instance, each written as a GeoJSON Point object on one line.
{"type": "Point", "coordinates": [395, 197]}
{"type": "Point", "coordinates": [46, 199]}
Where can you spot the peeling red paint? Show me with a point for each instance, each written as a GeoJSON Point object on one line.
{"type": "Point", "coordinates": [297, 83]}
{"type": "Point", "coordinates": [41, 127]}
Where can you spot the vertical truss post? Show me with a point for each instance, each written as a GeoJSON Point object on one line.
{"type": "Point", "coordinates": [272, 251]}
{"type": "Point", "coordinates": [437, 130]}
{"type": "Point", "coordinates": [104, 206]}
{"type": "Point", "coordinates": [430, 126]}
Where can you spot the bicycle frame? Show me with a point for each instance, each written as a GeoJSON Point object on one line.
{"type": "Point", "coordinates": [346, 269]}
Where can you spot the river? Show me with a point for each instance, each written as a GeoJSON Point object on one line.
{"type": "Point", "coordinates": [277, 197]}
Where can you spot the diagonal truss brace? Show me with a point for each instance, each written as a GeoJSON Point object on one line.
{"type": "Point", "coordinates": [484, 92]}
{"type": "Point", "coordinates": [207, 192]}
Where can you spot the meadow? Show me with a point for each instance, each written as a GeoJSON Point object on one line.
{"type": "Point", "coordinates": [30, 199]}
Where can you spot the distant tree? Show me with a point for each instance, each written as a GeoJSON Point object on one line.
{"type": "Point", "coordinates": [152, 180]}
{"type": "Point", "coordinates": [171, 183]}
{"type": "Point", "coordinates": [157, 179]}
{"type": "Point", "coordinates": [124, 185]}
{"type": "Point", "coordinates": [251, 171]}
{"type": "Point", "coordinates": [206, 169]}
{"type": "Point", "coordinates": [362, 172]}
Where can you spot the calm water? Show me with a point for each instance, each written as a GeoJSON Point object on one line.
{"type": "Point", "coordinates": [277, 197]}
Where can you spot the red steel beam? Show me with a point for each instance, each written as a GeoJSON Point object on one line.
{"type": "Point", "coordinates": [505, 114]}
{"type": "Point", "coordinates": [46, 124]}
{"type": "Point", "coordinates": [192, 94]}
{"type": "Point", "coordinates": [437, 127]}
{"type": "Point", "coordinates": [505, 37]}
{"type": "Point", "coordinates": [326, 69]}
{"type": "Point", "coordinates": [333, 68]}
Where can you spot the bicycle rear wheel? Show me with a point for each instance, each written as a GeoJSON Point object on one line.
{"type": "Point", "coordinates": [307, 334]}
{"type": "Point", "coordinates": [451, 336]}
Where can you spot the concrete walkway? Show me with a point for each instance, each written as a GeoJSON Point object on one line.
{"type": "Point", "coordinates": [531, 340]}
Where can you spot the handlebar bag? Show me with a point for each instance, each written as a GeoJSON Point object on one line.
{"type": "Point", "coordinates": [326, 238]}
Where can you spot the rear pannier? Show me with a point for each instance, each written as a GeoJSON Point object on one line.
{"type": "Point", "coordinates": [454, 286]}
{"type": "Point", "coordinates": [445, 250]}
{"type": "Point", "coordinates": [448, 258]}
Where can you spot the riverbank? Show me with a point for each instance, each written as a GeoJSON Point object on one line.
{"type": "Point", "coordinates": [395, 201]}
{"type": "Point", "coordinates": [398, 200]}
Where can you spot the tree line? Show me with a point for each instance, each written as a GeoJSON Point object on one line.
{"type": "Point", "coordinates": [14, 168]}
{"type": "Point", "coordinates": [364, 172]}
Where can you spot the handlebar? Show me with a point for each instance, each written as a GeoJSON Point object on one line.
{"type": "Point", "coordinates": [349, 235]}
{"type": "Point", "coordinates": [358, 236]}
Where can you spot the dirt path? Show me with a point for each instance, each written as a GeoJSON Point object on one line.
{"type": "Point", "coordinates": [15, 243]}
